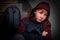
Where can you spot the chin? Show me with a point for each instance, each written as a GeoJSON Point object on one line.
{"type": "Point", "coordinates": [39, 21]}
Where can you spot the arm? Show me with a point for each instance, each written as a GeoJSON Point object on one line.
{"type": "Point", "coordinates": [21, 29]}
{"type": "Point", "coordinates": [47, 30]}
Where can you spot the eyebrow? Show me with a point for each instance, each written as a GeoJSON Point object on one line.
{"type": "Point", "coordinates": [42, 12]}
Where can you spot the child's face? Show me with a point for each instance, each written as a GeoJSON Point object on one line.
{"type": "Point", "coordinates": [41, 15]}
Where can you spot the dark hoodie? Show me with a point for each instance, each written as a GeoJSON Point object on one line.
{"type": "Point", "coordinates": [31, 29]}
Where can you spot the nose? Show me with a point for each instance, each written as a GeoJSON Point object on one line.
{"type": "Point", "coordinates": [41, 16]}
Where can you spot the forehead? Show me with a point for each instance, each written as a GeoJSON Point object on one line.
{"type": "Point", "coordinates": [42, 10]}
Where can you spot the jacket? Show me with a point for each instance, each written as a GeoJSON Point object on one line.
{"type": "Point", "coordinates": [46, 26]}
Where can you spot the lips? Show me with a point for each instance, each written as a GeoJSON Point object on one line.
{"type": "Point", "coordinates": [40, 20]}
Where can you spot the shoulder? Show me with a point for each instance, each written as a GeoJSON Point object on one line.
{"type": "Point", "coordinates": [25, 19]}
{"type": "Point", "coordinates": [47, 25]}
{"type": "Point", "coordinates": [47, 22]}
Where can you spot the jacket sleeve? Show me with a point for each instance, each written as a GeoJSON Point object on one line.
{"type": "Point", "coordinates": [21, 29]}
{"type": "Point", "coordinates": [48, 29]}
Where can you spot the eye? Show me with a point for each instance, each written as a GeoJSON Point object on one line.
{"type": "Point", "coordinates": [45, 14]}
{"type": "Point", "coordinates": [41, 12]}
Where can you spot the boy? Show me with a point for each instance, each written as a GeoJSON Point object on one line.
{"type": "Point", "coordinates": [37, 25]}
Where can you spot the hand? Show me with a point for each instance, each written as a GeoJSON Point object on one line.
{"type": "Point", "coordinates": [44, 33]}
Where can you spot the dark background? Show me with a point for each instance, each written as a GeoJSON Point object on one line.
{"type": "Point", "coordinates": [25, 6]}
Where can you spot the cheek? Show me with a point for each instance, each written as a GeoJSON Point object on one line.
{"type": "Point", "coordinates": [44, 17]}
{"type": "Point", "coordinates": [37, 15]}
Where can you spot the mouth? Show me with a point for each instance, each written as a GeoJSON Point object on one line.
{"type": "Point", "coordinates": [40, 20]}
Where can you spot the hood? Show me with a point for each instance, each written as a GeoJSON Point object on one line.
{"type": "Point", "coordinates": [43, 5]}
